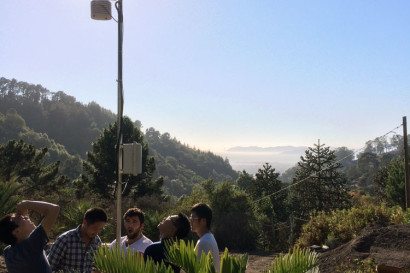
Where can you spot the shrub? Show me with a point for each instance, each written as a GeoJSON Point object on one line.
{"type": "Point", "coordinates": [344, 225]}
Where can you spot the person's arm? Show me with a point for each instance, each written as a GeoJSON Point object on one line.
{"type": "Point", "coordinates": [48, 210]}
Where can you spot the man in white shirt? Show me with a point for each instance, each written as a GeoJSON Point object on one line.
{"type": "Point", "coordinates": [135, 241]}
{"type": "Point", "coordinates": [201, 218]}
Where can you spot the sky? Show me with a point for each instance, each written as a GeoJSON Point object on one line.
{"type": "Point", "coordinates": [222, 73]}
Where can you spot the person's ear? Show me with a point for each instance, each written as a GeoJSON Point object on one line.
{"type": "Point", "coordinates": [142, 226]}
{"type": "Point", "coordinates": [16, 232]}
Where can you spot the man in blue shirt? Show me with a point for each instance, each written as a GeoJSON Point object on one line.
{"type": "Point", "coordinates": [74, 249]}
{"type": "Point", "coordinates": [25, 252]}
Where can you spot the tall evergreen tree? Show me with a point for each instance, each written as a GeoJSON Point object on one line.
{"type": "Point", "coordinates": [266, 184]}
{"type": "Point", "coordinates": [26, 164]}
{"type": "Point", "coordinates": [319, 183]}
{"type": "Point", "coordinates": [101, 164]}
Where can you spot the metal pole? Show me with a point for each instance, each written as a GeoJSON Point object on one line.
{"type": "Point", "coordinates": [119, 122]}
{"type": "Point", "coordinates": [406, 164]}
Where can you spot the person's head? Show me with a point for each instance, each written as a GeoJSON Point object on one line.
{"type": "Point", "coordinates": [134, 222]}
{"type": "Point", "coordinates": [93, 222]}
{"type": "Point", "coordinates": [174, 226]}
{"type": "Point", "coordinates": [201, 214]}
{"type": "Point", "coordinates": [15, 228]}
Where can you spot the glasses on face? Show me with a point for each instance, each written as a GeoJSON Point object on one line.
{"type": "Point", "coordinates": [193, 218]}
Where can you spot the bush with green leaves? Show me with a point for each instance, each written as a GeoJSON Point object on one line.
{"type": "Point", "coordinates": [358, 266]}
{"type": "Point", "coordinates": [344, 225]}
{"type": "Point", "coordinates": [297, 260]}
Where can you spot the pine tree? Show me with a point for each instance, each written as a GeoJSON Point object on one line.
{"type": "Point", "coordinates": [319, 183]}
{"type": "Point", "coordinates": [100, 166]}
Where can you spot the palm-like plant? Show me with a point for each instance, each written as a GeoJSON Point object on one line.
{"type": "Point", "coordinates": [7, 200]}
{"type": "Point", "coordinates": [114, 260]}
{"type": "Point", "coordinates": [184, 256]}
{"type": "Point", "coordinates": [233, 264]}
{"type": "Point", "coordinates": [181, 254]}
{"type": "Point", "coordinates": [296, 261]}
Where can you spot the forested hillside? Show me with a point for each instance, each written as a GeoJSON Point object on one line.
{"type": "Point", "coordinates": [67, 128]}
{"type": "Point", "coordinates": [328, 197]}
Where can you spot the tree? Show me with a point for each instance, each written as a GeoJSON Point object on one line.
{"type": "Point", "coordinates": [233, 216]}
{"type": "Point", "coordinates": [26, 163]}
{"type": "Point", "coordinates": [270, 208]}
{"type": "Point", "coordinates": [345, 156]}
{"type": "Point", "coordinates": [244, 180]}
{"type": "Point", "coordinates": [266, 184]}
{"type": "Point", "coordinates": [101, 164]}
{"type": "Point", "coordinates": [319, 183]}
{"type": "Point", "coordinates": [390, 182]}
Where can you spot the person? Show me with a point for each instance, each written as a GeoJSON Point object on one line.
{"type": "Point", "coordinates": [135, 241]}
{"type": "Point", "coordinates": [201, 218]}
{"type": "Point", "coordinates": [26, 242]}
{"type": "Point", "coordinates": [170, 228]}
{"type": "Point", "coordinates": [74, 249]}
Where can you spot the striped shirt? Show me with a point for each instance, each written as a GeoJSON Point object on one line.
{"type": "Point", "coordinates": [70, 253]}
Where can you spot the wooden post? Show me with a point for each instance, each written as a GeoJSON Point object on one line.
{"type": "Point", "coordinates": [406, 164]}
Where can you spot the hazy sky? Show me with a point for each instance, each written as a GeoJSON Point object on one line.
{"type": "Point", "coordinates": [222, 73]}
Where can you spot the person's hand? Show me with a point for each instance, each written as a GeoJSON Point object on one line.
{"type": "Point", "coordinates": [21, 208]}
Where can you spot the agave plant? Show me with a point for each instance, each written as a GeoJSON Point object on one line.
{"type": "Point", "coordinates": [107, 260]}
{"type": "Point", "coordinates": [233, 264]}
{"type": "Point", "coordinates": [181, 254]}
{"type": "Point", "coordinates": [296, 261]}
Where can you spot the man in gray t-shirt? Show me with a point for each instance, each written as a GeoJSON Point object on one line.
{"type": "Point", "coordinates": [26, 242]}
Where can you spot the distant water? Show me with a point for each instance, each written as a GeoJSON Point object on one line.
{"type": "Point", "coordinates": [251, 159]}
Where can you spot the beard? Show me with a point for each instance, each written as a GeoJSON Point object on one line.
{"type": "Point", "coordinates": [133, 235]}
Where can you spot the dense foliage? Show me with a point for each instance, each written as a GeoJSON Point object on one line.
{"type": "Point", "coordinates": [340, 226]}
{"type": "Point", "coordinates": [57, 114]}
{"type": "Point", "coordinates": [183, 167]}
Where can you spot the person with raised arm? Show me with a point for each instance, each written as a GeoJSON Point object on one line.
{"type": "Point", "coordinates": [26, 241]}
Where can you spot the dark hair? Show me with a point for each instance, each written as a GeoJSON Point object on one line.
{"type": "Point", "coordinates": [182, 225]}
{"type": "Point", "coordinates": [6, 229]}
{"type": "Point", "coordinates": [202, 210]}
{"type": "Point", "coordinates": [135, 212]}
{"type": "Point", "coordinates": [94, 215]}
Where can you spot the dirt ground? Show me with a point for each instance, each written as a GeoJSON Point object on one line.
{"type": "Point", "coordinates": [386, 244]}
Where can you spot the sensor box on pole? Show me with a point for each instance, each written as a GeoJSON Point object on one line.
{"type": "Point", "coordinates": [132, 158]}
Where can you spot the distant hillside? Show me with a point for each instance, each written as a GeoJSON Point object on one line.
{"type": "Point", "coordinates": [67, 127]}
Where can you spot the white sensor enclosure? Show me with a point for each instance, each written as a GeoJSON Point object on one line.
{"type": "Point", "coordinates": [101, 10]}
{"type": "Point", "coordinates": [132, 158]}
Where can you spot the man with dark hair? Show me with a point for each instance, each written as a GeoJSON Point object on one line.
{"type": "Point", "coordinates": [74, 249]}
{"type": "Point", "coordinates": [170, 228]}
{"type": "Point", "coordinates": [26, 242]}
{"type": "Point", "coordinates": [135, 241]}
{"type": "Point", "coordinates": [201, 218]}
